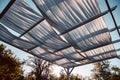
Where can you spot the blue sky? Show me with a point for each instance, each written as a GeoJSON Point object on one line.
{"type": "Point", "coordinates": [3, 4]}
{"type": "Point", "coordinates": [83, 70]}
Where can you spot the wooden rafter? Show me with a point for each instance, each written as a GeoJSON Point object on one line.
{"type": "Point", "coordinates": [107, 3]}
{"type": "Point", "coordinates": [32, 27]}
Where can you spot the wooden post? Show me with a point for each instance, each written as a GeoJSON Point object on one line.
{"type": "Point", "coordinates": [68, 72]}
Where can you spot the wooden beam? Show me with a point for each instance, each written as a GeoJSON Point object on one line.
{"type": "Point", "coordinates": [113, 29]}
{"type": "Point", "coordinates": [96, 54]}
{"type": "Point", "coordinates": [95, 46]}
{"type": "Point", "coordinates": [41, 43]}
{"type": "Point", "coordinates": [107, 3]}
{"type": "Point", "coordinates": [7, 8]}
{"type": "Point", "coordinates": [118, 56]}
{"type": "Point", "coordinates": [62, 48]}
{"type": "Point", "coordinates": [47, 50]}
{"type": "Point", "coordinates": [101, 45]}
{"type": "Point", "coordinates": [32, 27]}
{"type": "Point", "coordinates": [25, 50]}
{"type": "Point", "coordinates": [99, 54]}
{"type": "Point", "coordinates": [87, 21]}
{"type": "Point", "coordinates": [92, 62]}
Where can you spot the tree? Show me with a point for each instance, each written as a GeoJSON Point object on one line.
{"type": "Point", "coordinates": [101, 70]}
{"type": "Point", "coordinates": [116, 70]}
{"type": "Point", "coordinates": [10, 67]}
{"type": "Point", "coordinates": [53, 77]}
{"type": "Point", "coordinates": [116, 73]}
{"type": "Point", "coordinates": [31, 76]}
{"type": "Point", "coordinates": [75, 77]}
{"type": "Point", "coordinates": [40, 68]}
{"type": "Point", "coordinates": [63, 76]}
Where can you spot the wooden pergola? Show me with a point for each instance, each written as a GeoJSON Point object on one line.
{"type": "Point", "coordinates": [68, 33]}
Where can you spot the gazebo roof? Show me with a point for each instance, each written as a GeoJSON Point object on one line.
{"type": "Point", "coordinates": [68, 33]}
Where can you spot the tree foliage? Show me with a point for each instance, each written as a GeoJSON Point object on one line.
{"type": "Point", "coordinates": [75, 77]}
{"type": "Point", "coordinates": [63, 76]}
{"type": "Point", "coordinates": [40, 68]}
{"type": "Point", "coordinates": [103, 71]}
{"type": "Point", "coordinates": [10, 67]}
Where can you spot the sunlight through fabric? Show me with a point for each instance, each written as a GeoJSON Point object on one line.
{"type": "Point", "coordinates": [68, 33]}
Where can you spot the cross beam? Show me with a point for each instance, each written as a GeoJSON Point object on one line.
{"type": "Point", "coordinates": [92, 57]}
{"type": "Point", "coordinates": [95, 46]}
{"type": "Point", "coordinates": [89, 20]}
{"type": "Point", "coordinates": [92, 61]}
{"type": "Point", "coordinates": [113, 29]}
{"type": "Point", "coordinates": [61, 57]}
{"type": "Point", "coordinates": [118, 57]}
{"type": "Point", "coordinates": [89, 57]}
{"type": "Point", "coordinates": [31, 27]}
{"type": "Point", "coordinates": [98, 54]}
{"type": "Point", "coordinates": [26, 51]}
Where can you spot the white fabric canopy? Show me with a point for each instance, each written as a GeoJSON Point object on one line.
{"type": "Point", "coordinates": [86, 44]}
{"type": "Point", "coordinates": [20, 17]}
{"type": "Point", "coordinates": [6, 36]}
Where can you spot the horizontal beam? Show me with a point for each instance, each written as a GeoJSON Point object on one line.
{"type": "Point", "coordinates": [40, 43]}
{"type": "Point", "coordinates": [92, 57]}
{"type": "Point", "coordinates": [91, 62]}
{"type": "Point", "coordinates": [89, 20]}
{"type": "Point", "coordinates": [97, 60]}
{"type": "Point", "coordinates": [7, 8]}
{"type": "Point", "coordinates": [32, 48]}
{"type": "Point", "coordinates": [94, 48]}
{"type": "Point", "coordinates": [118, 56]}
{"type": "Point", "coordinates": [100, 54]}
{"type": "Point", "coordinates": [44, 44]}
{"type": "Point", "coordinates": [25, 50]}
{"type": "Point", "coordinates": [15, 37]}
{"type": "Point", "coordinates": [32, 27]}
{"type": "Point", "coordinates": [62, 48]}
{"type": "Point", "coordinates": [113, 29]}
{"type": "Point", "coordinates": [90, 48]}
{"type": "Point", "coordinates": [60, 57]}
{"type": "Point", "coordinates": [102, 45]}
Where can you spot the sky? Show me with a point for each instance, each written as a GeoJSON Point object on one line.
{"type": "Point", "coordinates": [86, 69]}
{"type": "Point", "coordinates": [3, 4]}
